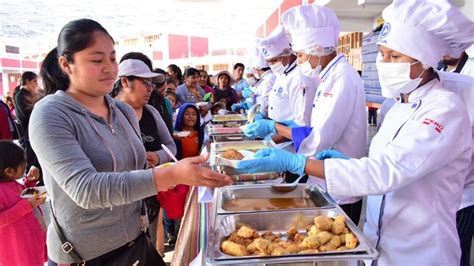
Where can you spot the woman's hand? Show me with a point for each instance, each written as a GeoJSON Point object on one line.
{"type": "Point", "coordinates": [37, 200]}
{"type": "Point", "coordinates": [152, 159]}
{"type": "Point", "coordinates": [189, 172]}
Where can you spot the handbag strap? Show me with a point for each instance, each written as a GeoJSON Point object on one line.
{"type": "Point", "coordinates": [66, 246]}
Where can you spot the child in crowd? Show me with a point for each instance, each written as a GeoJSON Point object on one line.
{"type": "Point", "coordinates": [173, 201]}
{"type": "Point", "coordinates": [22, 228]}
{"type": "Point", "coordinates": [173, 98]}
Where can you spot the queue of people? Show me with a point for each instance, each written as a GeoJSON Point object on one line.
{"type": "Point", "coordinates": [95, 137]}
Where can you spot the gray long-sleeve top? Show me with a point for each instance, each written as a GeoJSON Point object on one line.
{"type": "Point", "coordinates": [92, 173]}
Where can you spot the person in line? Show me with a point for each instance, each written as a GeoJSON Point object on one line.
{"type": "Point", "coordinates": [240, 83]}
{"type": "Point", "coordinates": [262, 87]}
{"type": "Point", "coordinates": [224, 90]}
{"type": "Point", "coordinates": [418, 161]}
{"type": "Point", "coordinates": [189, 91]}
{"type": "Point", "coordinates": [93, 155]}
{"type": "Point", "coordinates": [25, 99]}
{"type": "Point", "coordinates": [8, 130]}
{"type": "Point", "coordinates": [170, 85]}
{"type": "Point", "coordinates": [338, 118]}
{"type": "Point", "coordinates": [135, 89]}
{"type": "Point", "coordinates": [21, 222]}
{"type": "Point", "coordinates": [204, 83]}
{"type": "Point", "coordinates": [174, 72]}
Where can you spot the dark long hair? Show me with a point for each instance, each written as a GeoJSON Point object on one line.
{"type": "Point", "coordinates": [75, 36]}
{"type": "Point", "coordinates": [177, 70]}
{"type": "Point", "coordinates": [27, 76]}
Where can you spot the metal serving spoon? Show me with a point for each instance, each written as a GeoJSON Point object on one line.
{"type": "Point", "coordinates": [286, 187]}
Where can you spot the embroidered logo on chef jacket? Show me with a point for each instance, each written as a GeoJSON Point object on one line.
{"type": "Point", "coordinates": [437, 126]}
{"type": "Point", "coordinates": [279, 92]}
{"type": "Point", "coordinates": [385, 31]}
{"type": "Point", "coordinates": [327, 94]}
{"type": "Point", "coordinates": [265, 51]}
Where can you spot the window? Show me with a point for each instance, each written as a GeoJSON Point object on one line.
{"type": "Point", "coordinates": [12, 49]}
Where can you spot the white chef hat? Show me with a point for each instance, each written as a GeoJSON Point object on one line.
{"type": "Point", "coordinates": [311, 25]}
{"type": "Point", "coordinates": [426, 30]}
{"type": "Point", "coordinates": [256, 59]}
{"type": "Point", "coordinates": [276, 44]}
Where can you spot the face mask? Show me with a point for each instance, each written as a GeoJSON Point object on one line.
{"type": "Point", "coordinates": [395, 79]}
{"type": "Point", "coordinates": [251, 81]}
{"type": "Point", "coordinates": [278, 68]}
{"type": "Point", "coordinates": [308, 71]}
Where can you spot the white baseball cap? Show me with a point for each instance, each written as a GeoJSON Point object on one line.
{"type": "Point", "coordinates": [134, 67]}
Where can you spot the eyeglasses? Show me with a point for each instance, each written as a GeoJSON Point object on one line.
{"type": "Point", "coordinates": [148, 83]}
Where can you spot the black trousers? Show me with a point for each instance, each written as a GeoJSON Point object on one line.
{"type": "Point", "coordinates": [353, 210]}
{"type": "Point", "coordinates": [465, 225]}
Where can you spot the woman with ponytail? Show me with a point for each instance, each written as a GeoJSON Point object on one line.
{"type": "Point", "coordinates": [90, 148]}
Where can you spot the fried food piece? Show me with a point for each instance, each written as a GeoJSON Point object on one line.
{"type": "Point", "coordinates": [233, 249]}
{"type": "Point", "coordinates": [339, 224]}
{"type": "Point", "coordinates": [278, 251]}
{"type": "Point", "coordinates": [323, 222]}
{"type": "Point", "coordinates": [308, 251]}
{"type": "Point", "coordinates": [232, 154]}
{"type": "Point", "coordinates": [246, 232]}
{"type": "Point", "coordinates": [291, 232]}
{"type": "Point", "coordinates": [343, 239]}
{"type": "Point", "coordinates": [290, 247]}
{"type": "Point", "coordinates": [301, 221]}
{"type": "Point", "coordinates": [239, 240]}
{"type": "Point", "coordinates": [327, 247]}
{"type": "Point", "coordinates": [324, 237]}
{"type": "Point", "coordinates": [346, 230]}
{"type": "Point", "coordinates": [351, 241]}
{"type": "Point", "coordinates": [310, 242]}
{"type": "Point", "coordinates": [335, 241]}
{"type": "Point", "coordinates": [313, 231]}
{"type": "Point", "coordinates": [298, 237]}
{"type": "Point", "coordinates": [342, 248]}
{"type": "Point", "coordinates": [260, 246]}
{"type": "Point", "coordinates": [271, 236]}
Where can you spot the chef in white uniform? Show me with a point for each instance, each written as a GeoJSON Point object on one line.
{"type": "Point", "coordinates": [418, 161]}
{"type": "Point", "coordinates": [338, 118]}
{"type": "Point", "coordinates": [264, 85]}
{"type": "Point", "coordinates": [291, 98]}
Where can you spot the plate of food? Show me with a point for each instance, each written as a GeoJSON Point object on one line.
{"type": "Point", "coordinates": [182, 134]}
{"type": "Point", "coordinates": [231, 157]}
{"type": "Point", "coordinates": [33, 192]}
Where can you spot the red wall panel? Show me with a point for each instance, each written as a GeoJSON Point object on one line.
{"type": "Point", "coordinates": [272, 22]}
{"type": "Point", "coordinates": [199, 46]}
{"type": "Point", "coordinates": [28, 64]}
{"type": "Point", "coordinates": [8, 62]}
{"type": "Point", "coordinates": [178, 46]}
{"type": "Point", "coordinates": [287, 4]}
{"type": "Point", "coordinates": [157, 55]}
{"type": "Point", "coordinates": [310, 1]}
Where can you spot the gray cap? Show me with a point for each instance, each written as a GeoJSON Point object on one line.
{"type": "Point", "coordinates": [134, 67]}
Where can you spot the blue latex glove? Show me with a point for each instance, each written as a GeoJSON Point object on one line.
{"type": "Point", "coordinates": [328, 154]}
{"type": "Point", "coordinates": [246, 105]}
{"type": "Point", "coordinates": [273, 160]}
{"type": "Point", "coordinates": [235, 107]}
{"type": "Point", "coordinates": [258, 116]}
{"type": "Point", "coordinates": [247, 92]}
{"type": "Point", "coordinates": [260, 128]}
{"type": "Point", "coordinates": [289, 123]}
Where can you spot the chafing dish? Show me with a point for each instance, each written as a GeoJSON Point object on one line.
{"type": "Point", "coordinates": [309, 197]}
{"type": "Point", "coordinates": [279, 222]}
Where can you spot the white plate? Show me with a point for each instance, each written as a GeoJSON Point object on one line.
{"type": "Point", "coordinates": [248, 155]}
{"type": "Point", "coordinates": [182, 134]}
{"type": "Point", "coordinates": [42, 191]}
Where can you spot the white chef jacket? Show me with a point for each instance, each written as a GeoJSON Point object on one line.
{"type": "Point", "coordinates": [291, 97]}
{"type": "Point", "coordinates": [414, 177]}
{"type": "Point", "coordinates": [338, 119]}
{"type": "Point", "coordinates": [463, 86]}
{"type": "Point", "coordinates": [262, 88]}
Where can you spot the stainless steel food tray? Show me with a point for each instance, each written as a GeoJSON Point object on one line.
{"type": "Point", "coordinates": [229, 138]}
{"type": "Point", "coordinates": [264, 191]}
{"type": "Point", "coordinates": [221, 130]}
{"type": "Point", "coordinates": [255, 145]}
{"type": "Point", "coordinates": [237, 119]}
{"type": "Point", "coordinates": [279, 222]}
